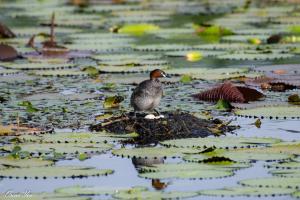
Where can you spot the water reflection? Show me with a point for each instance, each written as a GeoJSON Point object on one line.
{"type": "Point", "coordinates": [158, 184]}
{"type": "Point", "coordinates": [140, 162]}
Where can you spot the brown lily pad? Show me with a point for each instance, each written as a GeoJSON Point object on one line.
{"type": "Point", "coordinates": [294, 99]}
{"type": "Point", "coordinates": [231, 93]}
{"type": "Point", "coordinates": [7, 53]}
{"type": "Point", "coordinates": [15, 130]}
{"type": "Point", "coordinates": [5, 32]}
{"type": "Point", "coordinates": [272, 84]}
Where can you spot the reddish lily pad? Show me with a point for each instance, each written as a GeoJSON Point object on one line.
{"type": "Point", "coordinates": [231, 93]}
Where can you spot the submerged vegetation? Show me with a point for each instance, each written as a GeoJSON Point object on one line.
{"type": "Point", "coordinates": [231, 106]}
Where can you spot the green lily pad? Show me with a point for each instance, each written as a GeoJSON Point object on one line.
{"type": "Point", "coordinates": [99, 47]}
{"type": "Point", "coordinates": [221, 142]}
{"type": "Point", "coordinates": [244, 155]}
{"type": "Point", "coordinates": [145, 194]}
{"type": "Point", "coordinates": [133, 62]}
{"type": "Point", "coordinates": [285, 165]}
{"type": "Point", "coordinates": [138, 29]}
{"type": "Point", "coordinates": [289, 68]}
{"type": "Point", "coordinates": [204, 53]}
{"type": "Point", "coordinates": [54, 171]}
{"type": "Point", "coordinates": [129, 69]}
{"type": "Point", "coordinates": [73, 137]}
{"type": "Point", "coordinates": [185, 170]}
{"type": "Point", "coordinates": [8, 72]}
{"type": "Point", "coordinates": [163, 47]}
{"type": "Point", "coordinates": [255, 56]}
{"type": "Point", "coordinates": [114, 7]}
{"type": "Point", "coordinates": [42, 196]}
{"type": "Point", "coordinates": [272, 112]}
{"type": "Point", "coordinates": [73, 20]}
{"type": "Point", "coordinates": [296, 194]}
{"type": "Point", "coordinates": [124, 193]}
{"type": "Point", "coordinates": [58, 96]}
{"type": "Point", "coordinates": [273, 182]}
{"type": "Point", "coordinates": [281, 148]}
{"type": "Point", "coordinates": [172, 33]}
{"type": "Point", "coordinates": [140, 22]}
{"type": "Point", "coordinates": [152, 152]}
{"type": "Point", "coordinates": [243, 38]}
{"type": "Point", "coordinates": [260, 31]}
{"type": "Point", "coordinates": [112, 101]}
{"type": "Point", "coordinates": [32, 162]}
{"type": "Point", "coordinates": [125, 58]}
{"type": "Point", "coordinates": [61, 73]}
{"type": "Point", "coordinates": [237, 155]}
{"type": "Point", "coordinates": [293, 173]}
{"type": "Point", "coordinates": [29, 31]}
{"type": "Point", "coordinates": [209, 74]}
{"type": "Point", "coordinates": [66, 148]}
{"type": "Point", "coordinates": [247, 191]}
{"type": "Point", "coordinates": [224, 46]}
{"type": "Point", "coordinates": [37, 66]}
{"type": "Point", "coordinates": [93, 190]}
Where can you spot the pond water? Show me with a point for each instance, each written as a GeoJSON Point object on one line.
{"type": "Point", "coordinates": [69, 92]}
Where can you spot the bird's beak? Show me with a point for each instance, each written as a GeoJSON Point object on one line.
{"type": "Point", "coordinates": [166, 75]}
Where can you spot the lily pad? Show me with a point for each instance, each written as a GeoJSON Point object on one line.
{"type": "Point", "coordinates": [145, 194]}
{"type": "Point", "coordinates": [129, 59]}
{"type": "Point", "coordinates": [185, 170]}
{"type": "Point", "coordinates": [73, 137]}
{"type": "Point", "coordinates": [163, 47]}
{"type": "Point", "coordinates": [129, 69]}
{"type": "Point", "coordinates": [272, 112]}
{"type": "Point", "coordinates": [285, 165]}
{"type": "Point", "coordinates": [255, 56]}
{"type": "Point", "coordinates": [94, 190]}
{"type": "Point", "coordinates": [281, 148]}
{"type": "Point", "coordinates": [37, 66]}
{"type": "Point", "coordinates": [99, 47]}
{"type": "Point", "coordinates": [293, 173]}
{"type": "Point", "coordinates": [224, 46]}
{"type": "Point", "coordinates": [204, 53]}
{"type": "Point", "coordinates": [152, 152]}
{"type": "Point", "coordinates": [65, 148]}
{"type": "Point", "coordinates": [42, 196]}
{"type": "Point", "coordinates": [209, 74]}
{"type": "Point", "coordinates": [221, 142]}
{"type": "Point", "coordinates": [243, 38]}
{"type": "Point", "coordinates": [61, 73]}
{"type": "Point", "coordinates": [247, 191]}
{"type": "Point", "coordinates": [124, 193]}
{"type": "Point", "coordinates": [237, 155]}
{"type": "Point", "coordinates": [296, 194]}
{"type": "Point", "coordinates": [4, 72]}
{"type": "Point", "coordinates": [20, 163]}
{"type": "Point", "coordinates": [273, 182]}
{"type": "Point", "coordinates": [54, 171]}
{"type": "Point", "coordinates": [288, 68]}
{"type": "Point", "coordinates": [138, 29]}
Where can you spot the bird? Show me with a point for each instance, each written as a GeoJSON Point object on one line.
{"type": "Point", "coordinates": [147, 95]}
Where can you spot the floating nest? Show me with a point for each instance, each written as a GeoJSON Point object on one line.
{"type": "Point", "coordinates": [174, 125]}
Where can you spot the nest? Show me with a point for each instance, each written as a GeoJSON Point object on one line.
{"type": "Point", "coordinates": [174, 125]}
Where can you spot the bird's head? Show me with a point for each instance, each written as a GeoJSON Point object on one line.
{"type": "Point", "coordinates": [157, 73]}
